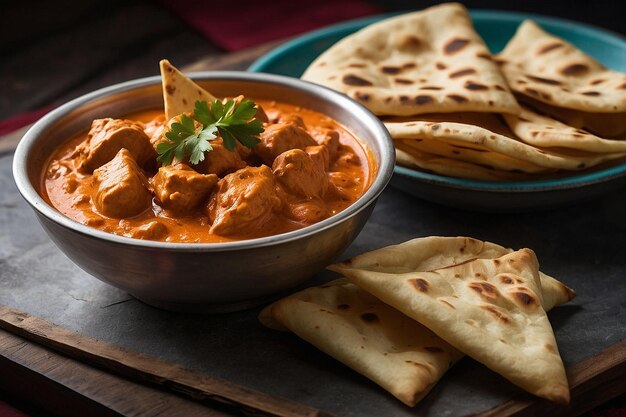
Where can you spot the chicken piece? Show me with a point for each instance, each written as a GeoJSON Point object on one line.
{"type": "Point", "coordinates": [307, 211]}
{"type": "Point", "coordinates": [330, 139]}
{"type": "Point", "coordinates": [244, 201]}
{"type": "Point", "coordinates": [299, 174]}
{"type": "Point", "coordinates": [277, 116]}
{"type": "Point", "coordinates": [108, 136]}
{"type": "Point", "coordinates": [344, 185]}
{"type": "Point", "coordinates": [154, 230]}
{"type": "Point", "coordinates": [281, 137]}
{"type": "Point", "coordinates": [180, 189]}
{"type": "Point", "coordinates": [325, 154]}
{"type": "Point", "coordinates": [220, 160]}
{"type": "Point", "coordinates": [155, 129]}
{"type": "Point", "coordinates": [121, 189]}
{"type": "Point", "coordinates": [320, 155]}
{"type": "Point", "coordinates": [244, 152]}
{"type": "Point", "coordinates": [260, 114]}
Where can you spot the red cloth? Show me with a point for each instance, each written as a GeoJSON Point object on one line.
{"type": "Point", "coordinates": [6, 410]}
{"type": "Point", "coordinates": [234, 25]}
{"type": "Point", "coordinates": [22, 119]}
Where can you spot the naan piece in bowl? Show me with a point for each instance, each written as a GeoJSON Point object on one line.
{"type": "Point", "coordinates": [180, 93]}
{"type": "Point", "coordinates": [431, 61]}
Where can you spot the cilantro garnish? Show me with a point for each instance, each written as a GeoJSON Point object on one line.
{"type": "Point", "coordinates": [234, 122]}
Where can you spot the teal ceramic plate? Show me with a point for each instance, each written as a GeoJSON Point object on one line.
{"type": "Point", "coordinates": [496, 28]}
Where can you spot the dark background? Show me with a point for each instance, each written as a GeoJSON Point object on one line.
{"type": "Point", "coordinates": [53, 51]}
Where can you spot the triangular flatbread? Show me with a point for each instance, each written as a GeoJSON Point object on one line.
{"type": "Point", "coordinates": [423, 62]}
{"type": "Point", "coordinates": [544, 131]}
{"type": "Point", "coordinates": [435, 252]}
{"type": "Point", "coordinates": [551, 70]}
{"type": "Point", "coordinates": [489, 309]}
{"type": "Point", "coordinates": [397, 353]}
{"type": "Point", "coordinates": [605, 125]}
{"type": "Point", "coordinates": [409, 157]}
{"type": "Point", "coordinates": [481, 157]}
{"type": "Point", "coordinates": [376, 340]}
{"type": "Point", "coordinates": [180, 93]}
{"type": "Point", "coordinates": [489, 132]}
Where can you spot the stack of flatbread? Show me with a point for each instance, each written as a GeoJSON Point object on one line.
{"type": "Point", "coordinates": [542, 108]}
{"type": "Point", "coordinates": [404, 314]}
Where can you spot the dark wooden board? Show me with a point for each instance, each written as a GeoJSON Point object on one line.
{"type": "Point", "coordinates": [68, 387]}
{"type": "Point", "coordinates": [592, 381]}
{"type": "Point", "coordinates": [575, 244]}
{"type": "Point", "coordinates": [147, 369]}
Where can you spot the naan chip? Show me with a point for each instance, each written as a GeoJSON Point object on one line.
{"type": "Point", "coordinates": [489, 132]}
{"type": "Point", "coordinates": [490, 309]}
{"type": "Point", "coordinates": [543, 131]}
{"type": "Point", "coordinates": [553, 71]}
{"type": "Point", "coordinates": [430, 61]}
{"type": "Point", "coordinates": [180, 93]}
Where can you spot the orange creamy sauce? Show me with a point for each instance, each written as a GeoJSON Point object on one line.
{"type": "Point", "coordinates": [70, 191]}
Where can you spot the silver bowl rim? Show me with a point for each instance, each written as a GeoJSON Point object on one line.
{"type": "Point", "coordinates": [382, 178]}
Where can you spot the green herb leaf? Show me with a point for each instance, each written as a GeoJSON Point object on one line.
{"type": "Point", "coordinates": [174, 146]}
{"type": "Point", "coordinates": [203, 114]}
{"type": "Point", "coordinates": [233, 121]}
{"type": "Point", "coordinates": [245, 111]}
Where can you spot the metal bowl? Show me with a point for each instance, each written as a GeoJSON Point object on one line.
{"type": "Point", "coordinates": [202, 277]}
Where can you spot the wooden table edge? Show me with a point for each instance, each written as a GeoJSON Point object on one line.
{"type": "Point", "coordinates": [149, 370]}
{"type": "Point", "coordinates": [593, 382]}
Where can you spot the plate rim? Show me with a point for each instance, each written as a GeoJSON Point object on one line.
{"type": "Point", "coordinates": [579, 28]}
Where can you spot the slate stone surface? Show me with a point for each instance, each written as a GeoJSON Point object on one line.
{"type": "Point", "coordinates": [584, 246]}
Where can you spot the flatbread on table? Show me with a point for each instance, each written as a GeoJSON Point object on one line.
{"type": "Point", "coordinates": [180, 93]}
{"type": "Point", "coordinates": [376, 340]}
{"type": "Point", "coordinates": [490, 309]}
{"type": "Point", "coordinates": [555, 72]}
{"type": "Point", "coordinates": [543, 131]}
{"type": "Point", "coordinates": [396, 352]}
{"type": "Point", "coordinates": [489, 132]}
{"type": "Point", "coordinates": [422, 62]}
{"type": "Point", "coordinates": [435, 252]}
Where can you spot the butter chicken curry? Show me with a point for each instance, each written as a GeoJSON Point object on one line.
{"type": "Point", "coordinates": [128, 177]}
